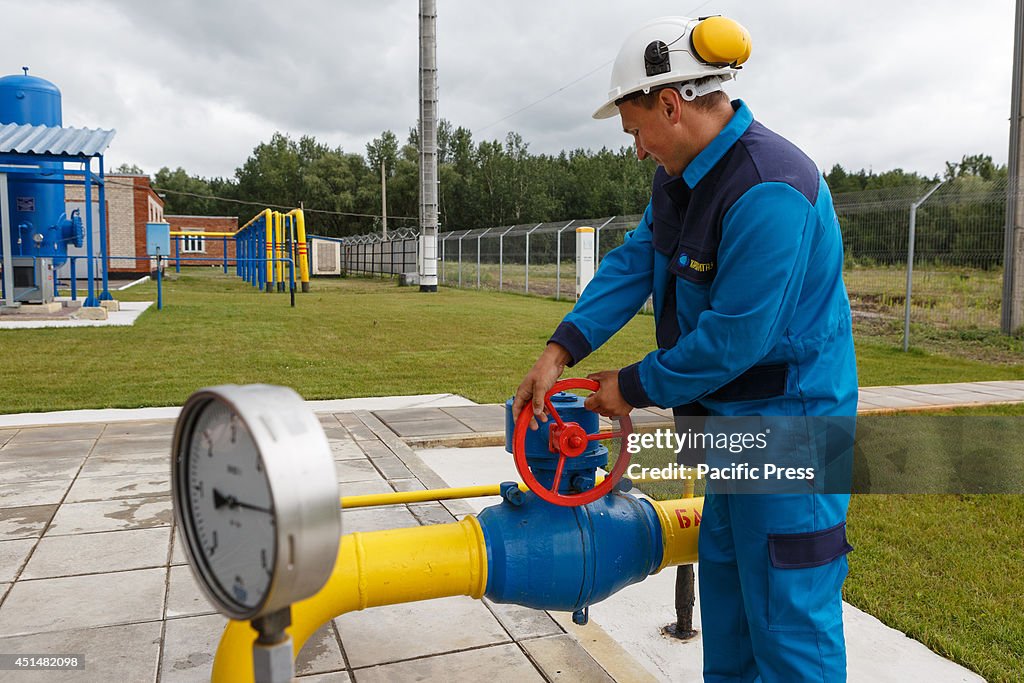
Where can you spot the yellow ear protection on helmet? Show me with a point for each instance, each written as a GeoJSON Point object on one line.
{"type": "Point", "coordinates": [716, 41]}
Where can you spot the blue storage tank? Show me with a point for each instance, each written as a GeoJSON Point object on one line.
{"type": "Point", "coordinates": [40, 227]}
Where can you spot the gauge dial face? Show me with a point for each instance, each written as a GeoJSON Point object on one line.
{"type": "Point", "coordinates": [229, 507]}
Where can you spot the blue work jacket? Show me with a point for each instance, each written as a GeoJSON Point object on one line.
{"type": "Point", "coordinates": [744, 258]}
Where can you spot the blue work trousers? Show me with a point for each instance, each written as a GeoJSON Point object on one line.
{"type": "Point", "coordinates": [772, 568]}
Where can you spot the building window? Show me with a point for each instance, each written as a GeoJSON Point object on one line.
{"type": "Point", "coordinates": [193, 243]}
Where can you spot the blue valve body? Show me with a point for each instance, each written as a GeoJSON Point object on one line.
{"type": "Point", "coordinates": [579, 472]}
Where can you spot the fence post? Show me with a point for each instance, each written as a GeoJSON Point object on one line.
{"type": "Point", "coordinates": [526, 287]}
{"type": "Point", "coordinates": [501, 258]}
{"type": "Point", "coordinates": [910, 262]}
{"type": "Point", "coordinates": [460, 257]}
{"type": "Point", "coordinates": [478, 238]}
{"type": "Point", "coordinates": [597, 242]}
{"type": "Point", "coordinates": [558, 260]}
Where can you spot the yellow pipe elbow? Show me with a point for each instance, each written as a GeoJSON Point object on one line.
{"type": "Point", "coordinates": [680, 523]}
{"type": "Point", "coordinates": [303, 257]}
{"type": "Point", "coordinates": [372, 569]}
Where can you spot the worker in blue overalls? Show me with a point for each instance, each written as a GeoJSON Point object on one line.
{"type": "Point", "coordinates": [741, 250]}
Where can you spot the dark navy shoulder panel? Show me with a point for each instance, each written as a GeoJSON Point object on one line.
{"type": "Point", "coordinates": [777, 160]}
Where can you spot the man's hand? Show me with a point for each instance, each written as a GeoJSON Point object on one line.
{"type": "Point", "coordinates": [538, 381]}
{"type": "Point", "coordinates": [607, 400]}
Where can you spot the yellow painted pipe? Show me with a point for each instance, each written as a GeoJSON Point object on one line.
{"type": "Point", "coordinates": [419, 563]}
{"type": "Point", "coordinates": [200, 233]}
{"type": "Point", "coordinates": [680, 522]}
{"type": "Point", "coordinates": [265, 213]}
{"type": "Point", "coordinates": [401, 497]}
{"type": "Point", "coordinates": [374, 568]}
{"type": "Point", "coordinates": [279, 245]}
{"type": "Point", "coordinates": [270, 250]}
{"type": "Point", "coordinates": [300, 245]}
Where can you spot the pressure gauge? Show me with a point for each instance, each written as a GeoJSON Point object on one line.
{"type": "Point", "coordinates": [255, 497]}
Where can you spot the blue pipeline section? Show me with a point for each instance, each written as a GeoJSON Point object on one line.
{"type": "Point", "coordinates": [567, 558]}
{"type": "Point", "coordinates": [579, 472]}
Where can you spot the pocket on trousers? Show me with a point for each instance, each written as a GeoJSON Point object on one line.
{"type": "Point", "coordinates": [805, 579]}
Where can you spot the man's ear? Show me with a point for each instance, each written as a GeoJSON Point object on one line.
{"type": "Point", "coordinates": [669, 102]}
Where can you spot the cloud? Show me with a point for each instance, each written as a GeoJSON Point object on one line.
{"type": "Point", "coordinates": [199, 83]}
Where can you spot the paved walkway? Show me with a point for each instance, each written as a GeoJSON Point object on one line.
{"type": "Point", "coordinates": [89, 563]}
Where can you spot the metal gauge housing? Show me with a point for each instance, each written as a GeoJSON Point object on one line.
{"type": "Point", "coordinates": [255, 497]}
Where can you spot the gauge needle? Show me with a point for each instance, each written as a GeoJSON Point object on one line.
{"type": "Point", "coordinates": [220, 500]}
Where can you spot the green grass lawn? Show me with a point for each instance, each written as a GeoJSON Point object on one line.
{"type": "Point", "coordinates": [945, 569]}
{"type": "Point", "coordinates": [347, 338]}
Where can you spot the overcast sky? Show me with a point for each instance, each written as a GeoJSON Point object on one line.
{"type": "Point", "coordinates": [198, 83]}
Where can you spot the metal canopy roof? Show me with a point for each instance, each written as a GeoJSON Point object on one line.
{"type": "Point", "coordinates": [76, 142]}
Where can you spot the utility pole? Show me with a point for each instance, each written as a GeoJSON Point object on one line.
{"type": "Point", "coordinates": [383, 201]}
{"type": "Point", "coordinates": [428, 146]}
{"type": "Point", "coordinates": [1013, 249]}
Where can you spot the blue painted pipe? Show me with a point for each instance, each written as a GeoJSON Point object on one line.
{"type": "Point", "coordinates": [567, 558]}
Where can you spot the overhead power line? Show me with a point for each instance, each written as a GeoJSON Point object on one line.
{"type": "Point", "coordinates": [570, 83]}
{"type": "Point", "coordinates": [266, 205]}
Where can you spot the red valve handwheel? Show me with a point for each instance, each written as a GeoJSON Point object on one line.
{"type": "Point", "coordinates": [568, 440]}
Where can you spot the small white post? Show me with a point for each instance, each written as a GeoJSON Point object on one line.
{"type": "Point", "coordinates": [584, 258]}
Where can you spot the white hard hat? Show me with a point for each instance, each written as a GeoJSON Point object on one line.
{"type": "Point", "coordinates": [673, 50]}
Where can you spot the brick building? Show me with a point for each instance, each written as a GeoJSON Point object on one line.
{"type": "Point", "coordinates": [131, 203]}
{"type": "Point", "coordinates": [209, 249]}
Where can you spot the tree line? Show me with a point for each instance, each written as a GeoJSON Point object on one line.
{"type": "Point", "coordinates": [484, 183]}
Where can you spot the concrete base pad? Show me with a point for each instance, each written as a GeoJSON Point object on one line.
{"type": "Point", "coordinates": [33, 309]}
{"type": "Point", "coordinates": [91, 313]}
{"type": "Point", "coordinates": [111, 305]}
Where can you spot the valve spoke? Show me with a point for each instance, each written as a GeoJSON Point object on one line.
{"type": "Point", "coordinates": [558, 474]}
{"type": "Point", "coordinates": [553, 412]}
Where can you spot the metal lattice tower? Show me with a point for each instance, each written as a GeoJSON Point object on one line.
{"type": "Point", "coordinates": [428, 146]}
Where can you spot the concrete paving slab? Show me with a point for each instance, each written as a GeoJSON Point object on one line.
{"type": "Point", "coordinates": [562, 658]}
{"type": "Point", "coordinates": [33, 492]}
{"type": "Point", "coordinates": [346, 450]}
{"type": "Point", "coordinates": [62, 433]}
{"type": "Point", "coordinates": [321, 653]}
{"type": "Point", "coordinates": [6, 435]}
{"type": "Point", "coordinates": [523, 622]}
{"type": "Point", "coordinates": [135, 430]}
{"type": "Point", "coordinates": [430, 427]}
{"type": "Point", "coordinates": [391, 467]}
{"type": "Point", "coordinates": [177, 552]}
{"type": "Point", "coordinates": [24, 470]}
{"type": "Point", "coordinates": [336, 431]}
{"type": "Point", "coordinates": [12, 557]}
{"type": "Point", "coordinates": [184, 597]}
{"type": "Point", "coordinates": [128, 653]}
{"type": "Point", "coordinates": [83, 602]}
{"type": "Point", "coordinates": [25, 522]}
{"type": "Point", "coordinates": [374, 449]}
{"type": "Point", "coordinates": [111, 515]}
{"type": "Point", "coordinates": [356, 470]}
{"type": "Point", "coordinates": [364, 488]}
{"type": "Point", "coordinates": [189, 646]}
{"type": "Point", "coordinates": [87, 489]}
{"type": "Point", "coordinates": [107, 415]}
{"type": "Point", "coordinates": [377, 519]}
{"type": "Point", "coordinates": [431, 513]}
{"type": "Point", "coordinates": [409, 415]}
{"type": "Point", "coordinates": [140, 445]}
{"type": "Point", "coordinates": [355, 428]}
{"type": "Point", "coordinates": [498, 664]}
{"type": "Point", "coordinates": [396, 632]}
{"type": "Point", "coordinates": [99, 553]}
{"type": "Point", "coordinates": [78, 448]}
{"type": "Point", "coordinates": [486, 418]}
{"type": "Point", "coordinates": [333, 677]}
{"type": "Point", "coordinates": [405, 485]}
{"type": "Point", "coordinates": [114, 465]}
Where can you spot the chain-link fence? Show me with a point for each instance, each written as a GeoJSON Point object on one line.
{"type": "Point", "coordinates": [957, 270]}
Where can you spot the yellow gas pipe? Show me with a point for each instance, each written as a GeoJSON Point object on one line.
{"type": "Point", "coordinates": [420, 563]}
